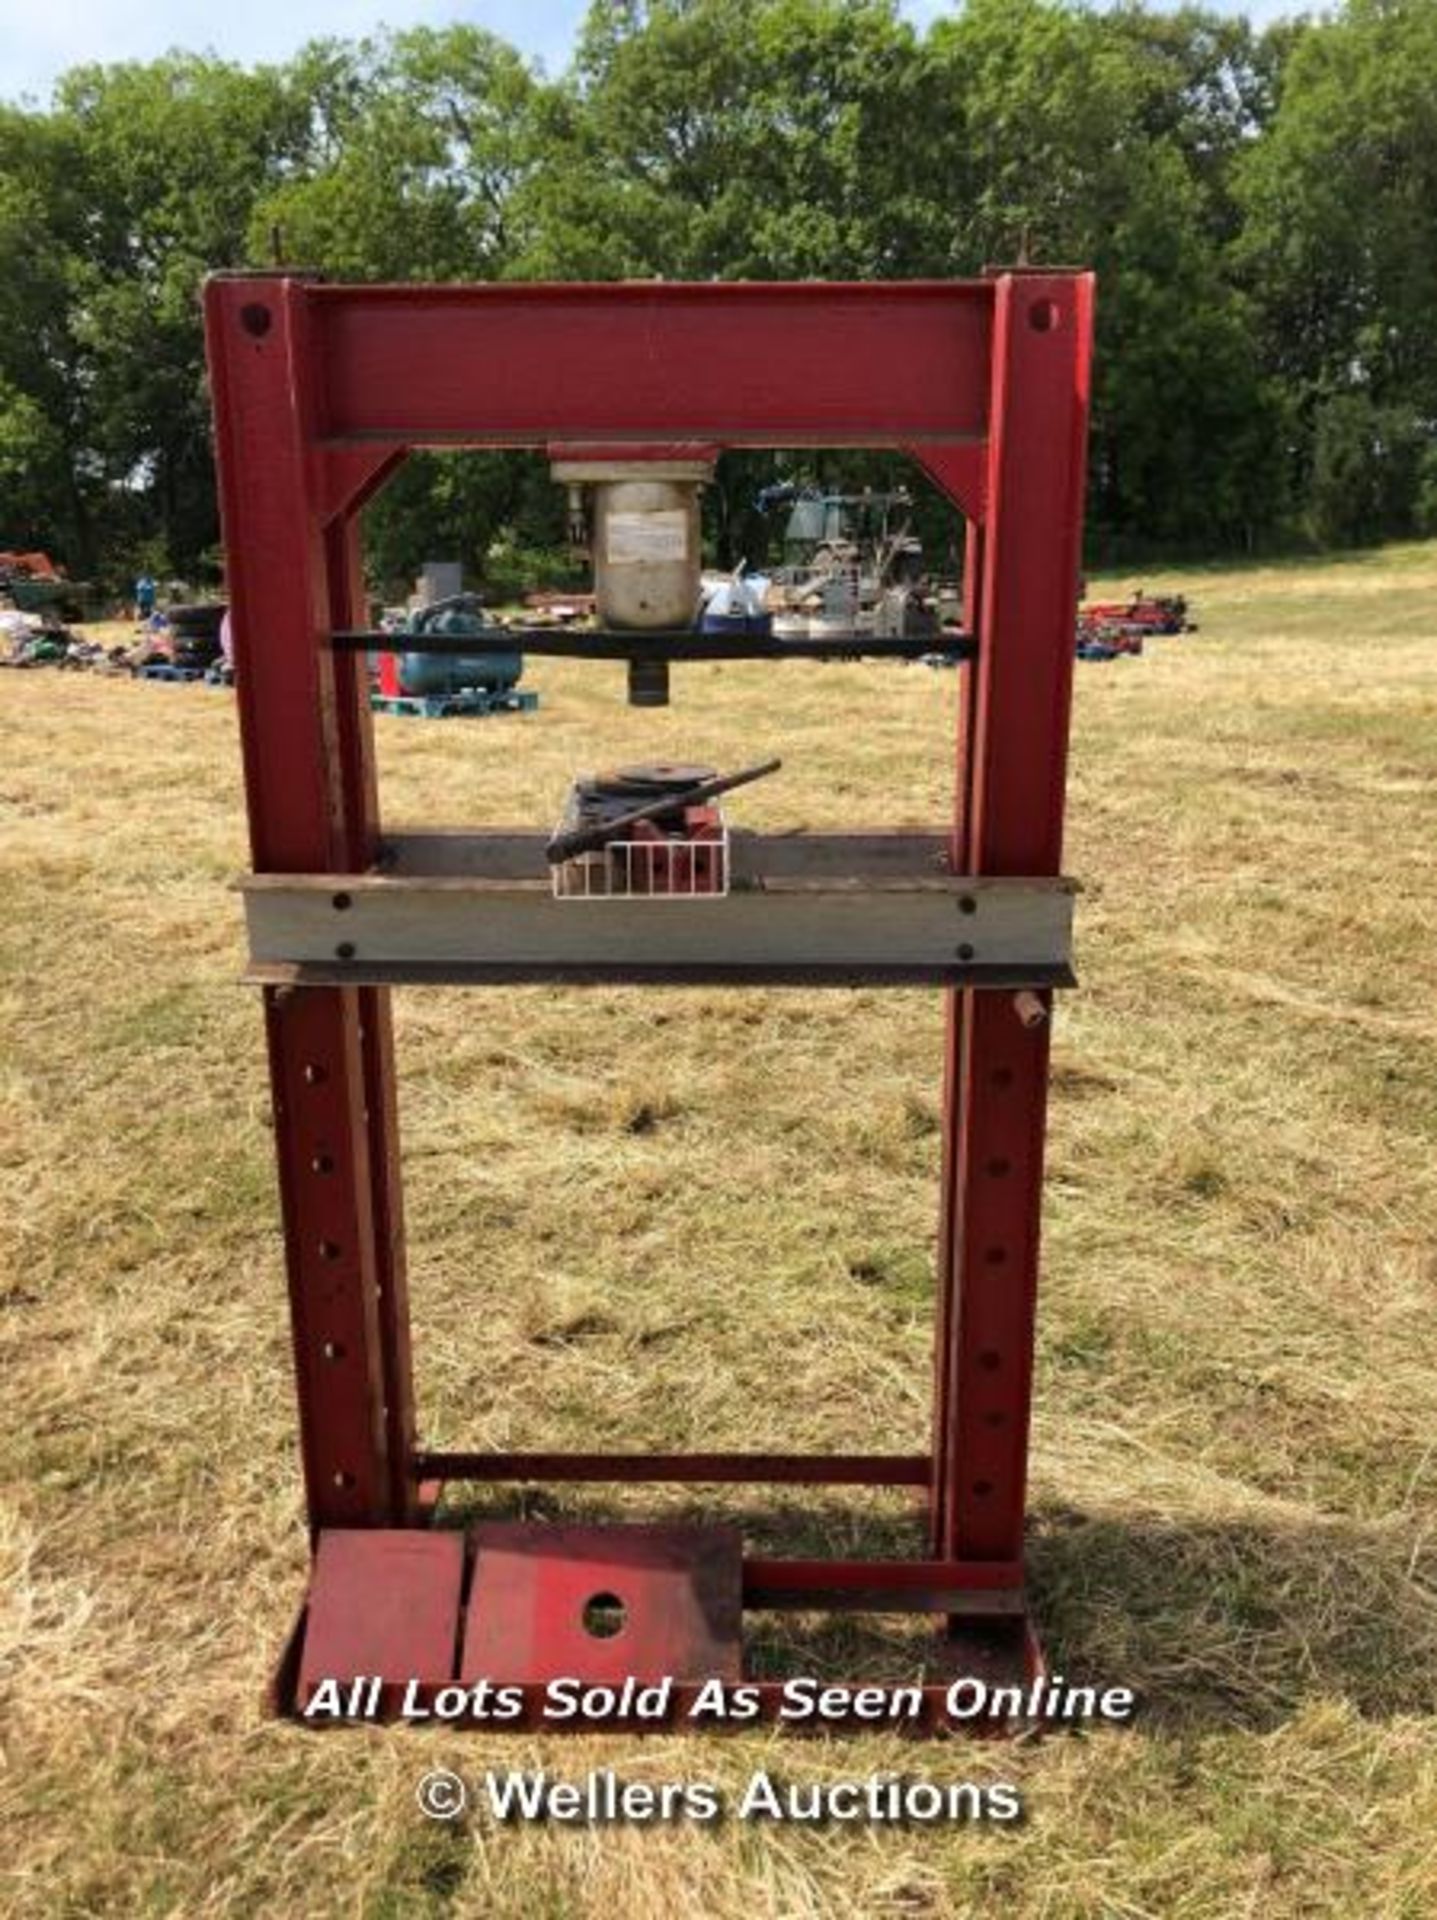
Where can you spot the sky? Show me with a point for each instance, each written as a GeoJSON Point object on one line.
{"type": "Point", "coordinates": [39, 39]}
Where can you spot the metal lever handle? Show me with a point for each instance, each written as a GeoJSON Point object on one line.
{"type": "Point", "coordinates": [587, 839]}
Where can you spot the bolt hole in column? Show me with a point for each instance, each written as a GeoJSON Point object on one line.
{"type": "Point", "coordinates": [1002, 1077]}
{"type": "Point", "coordinates": [345, 950]}
{"type": "Point", "coordinates": [604, 1616]}
{"type": "Point", "coordinates": [344, 1480]}
{"type": "Point", "coordinates": [329, 1250]}
{"type": "Point", "coordinates": [995, 1419]}
{"type": "Point", "coordinates": [343, 901]}
{"type": "Point", "coordinates": [999, 1169]}
{"type": "Point", "coordinates": [332, 1350]}
{"type": "Point", "coordinates": [1044, 315]}
{"type": "Point", "coordinates": [990, 1359]}
{"type": "Point", "coordinates": [982, 1488]}
{"type": "Point", "coordinates": [966, 903]}
{"type": "Point", "coordinates": [995, 1256]}
{"type": "Point", "coordinates": [965, 951]}
{"type": "Point", "coordinates": [315, 1075]}
{"type": "Point", "coordinates": [256, 319]}
{"type": "Point", "coordinates": [322, 1163]}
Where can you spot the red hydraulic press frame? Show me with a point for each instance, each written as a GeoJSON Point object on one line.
{"type": "Point", "coordinates": [319, 392]}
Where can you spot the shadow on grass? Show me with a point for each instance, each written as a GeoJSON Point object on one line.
{"type": "Point", "coordinates": [1236, 1623]}
{"type": "Point", "coordinates": [1214, 1623]}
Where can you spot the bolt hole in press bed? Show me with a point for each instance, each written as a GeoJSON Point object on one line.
{"type": "Point", "coordinates": [604, 1616]}
{"type": "Point", "coordinates": [630, 391]}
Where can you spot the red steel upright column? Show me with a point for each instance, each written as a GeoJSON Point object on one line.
{"type": "Point", "coordinates": [355, 729]}
{"type": "Point", "coordinates": [310, 792]}
{"type": "Point", "coordinates": [319, 391]}
{"type": "Point", "coordinates": [1013, 764]}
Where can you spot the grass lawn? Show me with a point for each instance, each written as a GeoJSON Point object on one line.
{"type": "Point", "coordinates": [693, 1218]}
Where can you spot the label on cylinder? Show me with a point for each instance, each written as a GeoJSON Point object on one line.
{"type": "Point", "coordinates": [635, 537]}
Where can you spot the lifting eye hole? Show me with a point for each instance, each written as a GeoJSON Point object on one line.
{"type": "Point", "coordinates": [256, 319]}
{"type": "Point", "coordinates": [1044, 315]}
{"type": "Point", "coordinates": [604, 1615]}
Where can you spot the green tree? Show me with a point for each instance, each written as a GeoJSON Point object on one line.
{"type": "Point", "coordinates": [50, 486]}
{"type": "Point", "coordinates": [1076, 136]}
{"type": "Point", "coordinates": [1367, 464]}
{"type": "Point", "coordinates": [732, 138]}
{"type": "Point", "coordinates": [415, 143]}
{"type": "Point", "coordinates": [1257, 206]}
{"type": "Point", "coordinates": [172, 154]}
{"type": "Point", "coordinates": [1339, 242]}
{"type": "Point", "coordinates": [499, 513]}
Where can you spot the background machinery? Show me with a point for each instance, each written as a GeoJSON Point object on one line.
{"type": "Point", "coordinates": [851, 562]}
{"type": "Point", "coordinates": [466, 677]}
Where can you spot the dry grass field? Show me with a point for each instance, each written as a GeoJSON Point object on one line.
{"type": "Point", "coordinates": [698, 1218]}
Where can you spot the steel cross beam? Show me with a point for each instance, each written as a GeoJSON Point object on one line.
{"type": "Point", "coordinates": [319, 392]}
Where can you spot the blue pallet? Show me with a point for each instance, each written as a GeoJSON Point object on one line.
{"type": "Point", "coordinates": [449, 706]}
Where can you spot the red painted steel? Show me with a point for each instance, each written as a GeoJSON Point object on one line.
{"type": "Point", "coordinates": [354, 734]}
{"type": "Point", "coordinates": [319, 393]}
{"type": "Point", "coordinates": [383, 1604]}
{"type": "Point", "coordinates": [741, 364]}
{"type": "Point", "coordinates": [670, 1601]}
{"type": "Point", "coordinates": [694, 1469]}
{"type": "Point", "coordinates": [815, 1576]}
{"type": "Point", "coordinates": [987, 1587]}
{"type": "Point", "coordinates": [1010, 821]}
{"type": "Point", "coordinates": [311, 809]}
{"type": "Point", "coordinates": [347, 477]}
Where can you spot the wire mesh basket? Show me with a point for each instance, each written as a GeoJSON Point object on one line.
{"type": "Point", "coordinates": [649, 864]}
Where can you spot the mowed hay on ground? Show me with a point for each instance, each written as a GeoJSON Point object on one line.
{"type": "Point", "coordinates": [689, 1219]}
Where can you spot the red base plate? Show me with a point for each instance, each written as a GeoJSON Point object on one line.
{"type": "Point", "coordinates": [387, 1621]}
{"type": "Point", "coordinates": [604, 1603]}
{"type": "Point", "coordinates": [383, 1603]}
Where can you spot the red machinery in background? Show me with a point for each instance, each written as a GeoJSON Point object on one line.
{"type": "Point", "coordinates": [319, 392]}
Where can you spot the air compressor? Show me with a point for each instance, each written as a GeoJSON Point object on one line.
{"type": "Point", "coordinates": [438, 684]}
